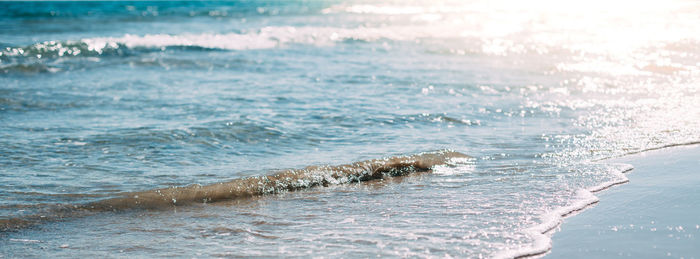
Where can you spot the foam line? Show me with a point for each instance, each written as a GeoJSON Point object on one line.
{"type": "Point", "coordinates": [542, 233]}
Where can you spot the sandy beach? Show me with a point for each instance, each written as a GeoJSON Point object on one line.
{"type": "Point", "coordinates": [654, 215]}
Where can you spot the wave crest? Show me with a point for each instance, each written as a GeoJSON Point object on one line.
{"type": "Point", "coordinates": [287, 180]}
{"type": "Point", "coordinates": [263, 38]}
{"type": "Point", "coordinates": [283, 181]}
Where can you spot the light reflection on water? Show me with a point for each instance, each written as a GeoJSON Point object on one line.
{"type": "Point", "coordinates": [166, 94]}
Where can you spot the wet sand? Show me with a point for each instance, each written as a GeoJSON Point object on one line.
{"type": "Point", "coordinates": [656, 214]}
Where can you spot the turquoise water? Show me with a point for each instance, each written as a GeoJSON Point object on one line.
{"type": "Point", "coordinates": [102, 99]}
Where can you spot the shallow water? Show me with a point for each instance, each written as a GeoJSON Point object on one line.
{"type": "Point", "coordinates": [652, 216]}
{"type": "Point", "coordinates": [99, 99]}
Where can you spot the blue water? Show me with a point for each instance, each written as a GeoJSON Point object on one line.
{"type": "Point", "coordinates": [102, 98]}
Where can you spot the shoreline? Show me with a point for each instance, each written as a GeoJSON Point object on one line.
{"type": "Point", "coordinates": [650, 216]}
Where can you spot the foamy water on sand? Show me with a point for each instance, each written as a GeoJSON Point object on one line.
{"type": "Point", "coordinates": [480, 123]}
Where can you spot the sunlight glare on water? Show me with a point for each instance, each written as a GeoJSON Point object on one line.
{"type": "Point", "coordinates": [101, 101]}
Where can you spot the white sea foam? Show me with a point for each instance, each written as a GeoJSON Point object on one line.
{"type": "Point", "coordinates": [626, 84]}
{"type": "Point", "coordinates": [264, 38]}
{"type": "Point", "coordinates": [541, 233]}
{"type": "Point", "coordinates": [280, 36]}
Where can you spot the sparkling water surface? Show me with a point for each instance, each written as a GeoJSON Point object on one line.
{"type": "Point", "coordinates": [102, 98]}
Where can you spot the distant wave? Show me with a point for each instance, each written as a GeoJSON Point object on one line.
{"type": "Point", "coordinates": [51, 56]}
{"type": "Point", "coordinates": [84, 48]}
{"type": "Point", "coordinates": [135, 10]}
{"type": "Point", "coordinates": [55, 56]}
{"type": "Point", "coordinates": [396, 9]}
{"type": "Point", "coordinates": [284, 181]}
{"type": "Point", "coordinates": [263, 38]}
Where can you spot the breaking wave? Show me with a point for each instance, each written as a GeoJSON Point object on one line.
{"type": "Point", "coordinates": [263, 38]}
{"type": "Point", "coordinates": [283, 181]}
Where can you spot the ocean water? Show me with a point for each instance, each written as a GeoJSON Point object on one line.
{"type": "Point", "coordinates": [482, 123]}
